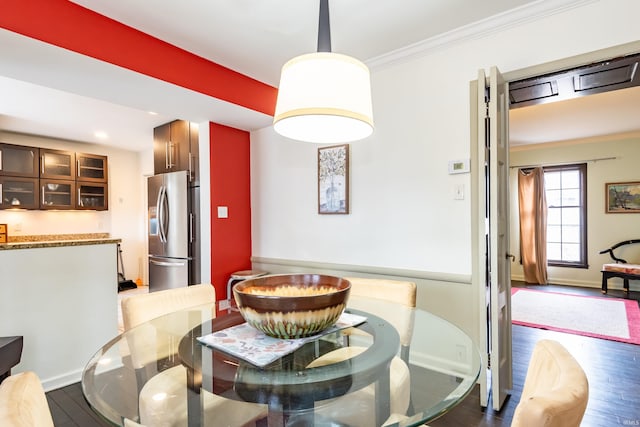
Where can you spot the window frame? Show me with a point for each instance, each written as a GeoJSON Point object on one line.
{"type": "Point", "coordinates": [582, 168]}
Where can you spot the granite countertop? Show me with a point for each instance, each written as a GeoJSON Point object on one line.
{"type": "Point", "coordinates": [57, 240]}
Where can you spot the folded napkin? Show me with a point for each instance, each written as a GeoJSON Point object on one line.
{"type": "Point", "coordinates": [248, 343]}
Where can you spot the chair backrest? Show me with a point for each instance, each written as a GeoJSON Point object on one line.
{"type": "Point", "coordinates": [556, 390]}
{"type": "Point", "coordinates": [155, 341]}
{"type": "Point", "coordinates": [141, 308]}
{"type": "Point", "coordinates": [400, 292]}
{"type": "Point", "coordinates": [397, 291]}
{"type": "Point", "coordinates": [23, 402]}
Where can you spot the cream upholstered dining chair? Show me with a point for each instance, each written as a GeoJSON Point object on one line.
{"type": "Point", "coordinates": [23, 402]}
{"type": "Point", "coordinates": [403, 293]}
{"type": "Point", "coordinates": [556, 389]}
{"type": "Point", "coordinates": [138, 309]}
{"type": "Point", "coordinates": [141, 308]}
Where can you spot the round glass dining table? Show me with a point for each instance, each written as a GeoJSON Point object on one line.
{"type": "Point", "coordinates": [198, 367]}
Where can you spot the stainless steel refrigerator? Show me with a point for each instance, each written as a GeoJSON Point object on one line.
{"type": "Point", "coordinates": [174, 254]}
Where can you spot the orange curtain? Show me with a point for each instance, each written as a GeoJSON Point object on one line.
{"type": "Point", "coordinates": [533, 225]}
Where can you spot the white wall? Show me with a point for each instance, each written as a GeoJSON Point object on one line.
{"type": "Point", "coordinates": [403, 210]}
{"type": "Point", "coordinates": [123, 220]}
{"type": "Point", "coordinates": [603, 230]}
{"type": "Point", "coordinates": [63, 301]}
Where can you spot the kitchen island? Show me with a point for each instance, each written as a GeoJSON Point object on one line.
{"type": "Point", "coordinates": [61, 293]}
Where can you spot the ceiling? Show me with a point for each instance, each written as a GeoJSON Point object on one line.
{"type": "Point", "coordinates": [54, 92]}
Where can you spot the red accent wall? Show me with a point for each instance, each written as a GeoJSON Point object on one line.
{"type": "Point", "coordinates": [231, 187]}
{"type": "Point", "coordinates": [73, 27]}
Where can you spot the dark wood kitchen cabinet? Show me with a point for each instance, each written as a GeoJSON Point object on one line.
{"type": "Point", "coordinates": [17, 160]}
{"type": "Point", "coordinates": [91, 168]}
{"type": "Point", "coordinates": [91, 182]}
{"type": "Point", "coordinates": [175, 148]}
{"type": "Point", "coordinates": [57, 194]}
{"type": "Point", "coordinates": [57, 164]}
{"type": "Point", "coordinates": [44, 178]}
{"type": "Point", "coordinates": [18, 193]}
{"type": "Point", "coordinates": [92, 196]}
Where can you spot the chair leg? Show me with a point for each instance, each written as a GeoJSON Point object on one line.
{"type": "Point", "coordinates": [605, 278]}
{"type": "Point", "coordinates": [626, 285]}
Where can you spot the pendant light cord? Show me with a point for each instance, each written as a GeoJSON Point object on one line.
{"type": "Point", "coordinates": [324, 29]}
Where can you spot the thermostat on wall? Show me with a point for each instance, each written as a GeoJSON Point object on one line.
{"type": "Point", "coordinates": [459, 166]}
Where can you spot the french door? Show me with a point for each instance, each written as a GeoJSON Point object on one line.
{"type": "Point", "coordinates": [491, 211]}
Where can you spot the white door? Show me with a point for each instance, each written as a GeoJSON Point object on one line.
{"type": "Point", "coordinates": [493, 152]}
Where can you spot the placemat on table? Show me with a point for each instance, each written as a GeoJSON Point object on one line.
{"type": "Point", "coordinates": [248, 343]}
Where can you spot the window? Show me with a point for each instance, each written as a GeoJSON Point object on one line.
{"type": "Point", "coordinates": [566, 192]}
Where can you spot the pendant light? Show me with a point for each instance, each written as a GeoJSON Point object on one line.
{"type": "Point", "coordinates": [324, 97]}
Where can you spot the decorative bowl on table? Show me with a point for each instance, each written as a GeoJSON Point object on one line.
{"type": "Point", "coordinates": [292, 305]}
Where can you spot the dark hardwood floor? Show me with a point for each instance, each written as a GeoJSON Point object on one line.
{"type": "Point", "coordinates": [613, 370]}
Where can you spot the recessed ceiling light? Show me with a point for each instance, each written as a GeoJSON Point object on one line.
{"type": "Point", "coordinates": [153, 113]}
{"type": "Point", "coordinates": [100, 134]}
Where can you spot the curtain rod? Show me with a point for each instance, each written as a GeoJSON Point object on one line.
{"type": "Point", "coordinates": [562, 164]}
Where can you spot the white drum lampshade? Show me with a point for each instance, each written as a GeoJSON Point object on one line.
{"type": "Point", "coordinates": [324, 97]}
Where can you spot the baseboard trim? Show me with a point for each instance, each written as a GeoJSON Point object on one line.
{"type": "Point", "coordinates": [60, 381]}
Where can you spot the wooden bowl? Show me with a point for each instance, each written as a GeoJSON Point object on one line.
{"type": "Point", "coordinates": [292, 305]}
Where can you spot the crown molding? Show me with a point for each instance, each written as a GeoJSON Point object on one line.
{"type": "Point", "coordinates": [518, 16]}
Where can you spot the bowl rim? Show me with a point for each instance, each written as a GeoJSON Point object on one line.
{"type": "Point", "coordinates": [286, 304]}
{"type": "Point", "coordinates": [344, 285]}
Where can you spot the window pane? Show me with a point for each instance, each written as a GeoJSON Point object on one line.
{"type": "Point", "coordinates": [571, 234]}
{"type": "Point", "coordinates": [571, 179]}
{"type": "Point", "coordinates": [571, 252]}
{"type": "Point", "coordinates": [565, 193]}
{"type": "Point", "coordinates": [554, 198]}
{"type": "Point", "coordinates": [554, 251]}
{"type": "Point", "coordinates": [553, 216]}
{"type": "Point", "coordinates": [554, 234]}
{"type": "Point", "coordinates": [552, 180]}
{"type": "Point", "coordinates": [571, 197]}
{"type": "Point", "coordinates": [571, 216]}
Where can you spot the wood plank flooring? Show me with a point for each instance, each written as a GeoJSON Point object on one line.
{"type": "Point", "coordinates": [613, 370]}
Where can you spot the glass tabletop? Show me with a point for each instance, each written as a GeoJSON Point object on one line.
{"type": "Point", "coordinates": [401, 367]}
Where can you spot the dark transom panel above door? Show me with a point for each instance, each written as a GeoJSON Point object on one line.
{"type": "Point", "coordinates": [613, 74]}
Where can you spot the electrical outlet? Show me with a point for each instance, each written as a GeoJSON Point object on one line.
{"type": "Point", "coordinates": [17, 227]}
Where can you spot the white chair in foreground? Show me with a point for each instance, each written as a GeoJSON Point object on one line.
{"type": "Point", "coordinates": [362, 402]}
{"type": "Point", "coordinates": [556, 389]}
{"type": "Point", "coordinates": [23, 402]}
{"type": "Point", "coordinates": [138, 309]}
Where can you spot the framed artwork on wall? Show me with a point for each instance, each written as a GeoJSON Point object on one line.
{"type": "Point", "coordinates": [333, 179]}
{"type": "Point", "coordinates": [622, 197]}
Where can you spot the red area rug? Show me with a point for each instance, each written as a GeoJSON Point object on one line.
{"type": "Point", "coordinates": [607, 318]}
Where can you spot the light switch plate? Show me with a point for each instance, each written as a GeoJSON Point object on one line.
{"type": "Point", "coordinates": [223, 212]}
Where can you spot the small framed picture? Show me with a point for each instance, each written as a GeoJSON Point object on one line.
{"type": "Point", "coordinates": [622, 197]}
{"type": "Point", "coordinates": [333, 179]}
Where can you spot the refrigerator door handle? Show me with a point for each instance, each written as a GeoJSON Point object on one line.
{"type": "Point", "coordinates": [160, 205]}
{"type": "Point", "coordinates": [167, 264]}
{"type": "Point", "coordinates": [191, 228]}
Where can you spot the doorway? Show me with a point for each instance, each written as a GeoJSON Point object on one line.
{"type": "Point", "coordinates": [598, 92]}
{"type": "Point", "coordinates": [479, 209]}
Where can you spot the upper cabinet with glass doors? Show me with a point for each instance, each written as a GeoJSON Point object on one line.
{"type": "Point", "coordinates": [17, 160]}
{"type": "Point", "coordinates": [57, 164]}
{"type": "Point", "coordinates": [17, 192]}
{"type": "Point", "coordinates": [43, 178]}
{"type": "Point", "coordinates": [91, 167]}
